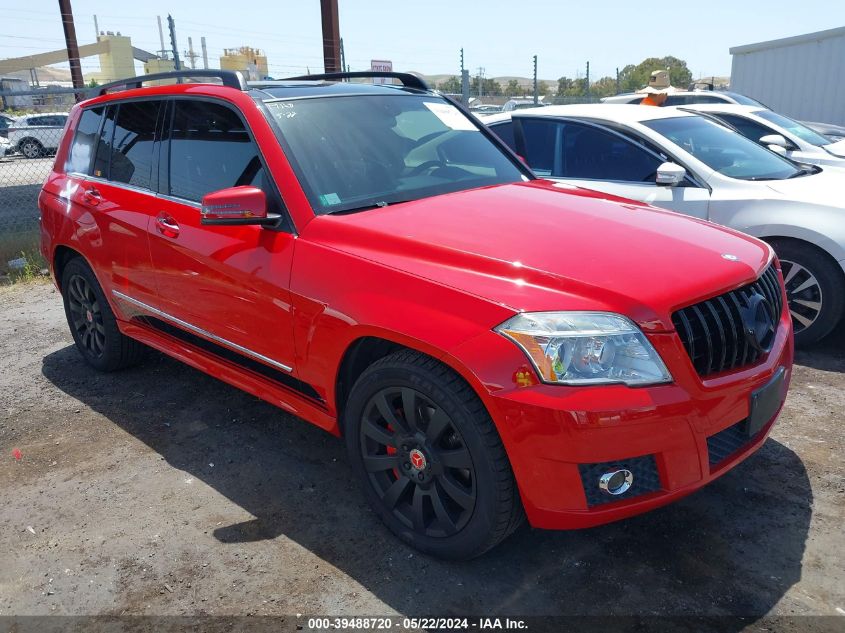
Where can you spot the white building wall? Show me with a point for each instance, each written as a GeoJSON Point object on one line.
{"type": "Point", "coordinates": [802, 77]}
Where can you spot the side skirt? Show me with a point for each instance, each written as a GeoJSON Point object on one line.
{"type": "Point", "coordinates": [236, 374]}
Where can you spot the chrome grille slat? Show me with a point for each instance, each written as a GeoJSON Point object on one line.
{"type": "Point", "coordinates": [712, 331]}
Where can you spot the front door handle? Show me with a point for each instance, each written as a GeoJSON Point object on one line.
{"type": "Point", "coordinates": [92, 196]}
{"type": "Point", "coordinates": [166, 225]}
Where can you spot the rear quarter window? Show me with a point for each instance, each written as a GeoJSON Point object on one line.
{"type": "Point", "coordinates": [84, 141]}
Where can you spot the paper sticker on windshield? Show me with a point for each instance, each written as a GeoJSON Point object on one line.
{"type": "Point", "coordinates": [450, 116]}
{"type": "Point", "coordinates": [328, 199]}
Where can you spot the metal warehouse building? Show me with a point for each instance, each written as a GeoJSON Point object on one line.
{"type": "Point", "coordinates": [802, 76]}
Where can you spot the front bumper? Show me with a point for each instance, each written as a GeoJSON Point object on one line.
{"type": "Point", "coordinates": [559, 439]}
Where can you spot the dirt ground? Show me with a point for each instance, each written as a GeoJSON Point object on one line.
{"type": "Point", "coordinates": [162, 491]}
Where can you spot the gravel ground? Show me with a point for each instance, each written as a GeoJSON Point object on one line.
{"type": "Point", "coordinates": [162, 491]}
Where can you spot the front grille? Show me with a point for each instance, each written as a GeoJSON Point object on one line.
{"type": "Point", "coordinates": [727, 442]}
{"type": "Point", "coordinates": [713, 333]}
{"type": "Point", "coordinates": [644, 469]}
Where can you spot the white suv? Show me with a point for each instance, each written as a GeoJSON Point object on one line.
{"type": "Point", "coordinates": [37, 135]}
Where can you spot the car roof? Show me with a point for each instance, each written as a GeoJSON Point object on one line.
{"type": "Point", "coordinates": [733, 108]}
{"type": "Point", "coordinates": [289, 89]}
{"type": "Point", "coordinates": [620, 112]}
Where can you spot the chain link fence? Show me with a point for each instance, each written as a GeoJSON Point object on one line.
{"type": "Point", "coordinates": [30, 131]}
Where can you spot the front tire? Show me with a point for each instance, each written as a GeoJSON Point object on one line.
{"type": "Point", "coordinates": [430, 459]}
{"type": "Point", "coordinates": [815, 289]}
{"type": "Point", "coordinates": [92, 322]}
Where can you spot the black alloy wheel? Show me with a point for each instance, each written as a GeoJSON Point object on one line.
{"type": "Point", "coordinates": [417, 462]}
{"type": "Point", "coordinates": [86, 317]}
{"type": "Point", "coordinates": [429, 457]}
{"type": "Point", "coordinates": [91, 320]}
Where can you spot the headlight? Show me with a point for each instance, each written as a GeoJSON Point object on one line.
{"type": "Point", "coordinates": [586, 348]}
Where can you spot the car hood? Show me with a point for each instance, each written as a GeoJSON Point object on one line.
{"type": "Point", "coordinates": [542, 246]}
{"type": "Point", "coordinates": [837, 149]}
{"type": "Point", "coordinates": [823, 188]}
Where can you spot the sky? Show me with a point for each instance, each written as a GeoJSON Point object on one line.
{"type": "Point", "coordinates": [426, 36]}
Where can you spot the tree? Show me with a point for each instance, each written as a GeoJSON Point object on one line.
{"type": "Point", "coordinates": [513, 89]}
{"type": "Point", "coordinates": [452, 85]}
{"type": "Point", "coordinates": [491, 87]}
{"type": "Point", "coordinates": [564, 85]}
{"type": "Point", "coordinates": [633, 77]}
{"type": "Point", "coordinates": [604, 87]}
{"type": "Point", "coordinates": [543, 89]}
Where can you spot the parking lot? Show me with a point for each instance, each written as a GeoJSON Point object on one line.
{"type": "Point", "coordinates": [161, 491]}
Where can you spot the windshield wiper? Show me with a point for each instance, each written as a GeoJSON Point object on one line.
{"type": "Point", "coordinates": [366, 207]}
{"type": "Point", "coordinates": [804, 171]}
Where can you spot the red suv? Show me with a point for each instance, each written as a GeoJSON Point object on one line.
{"type": "Point", "coordinates": [370, 258]}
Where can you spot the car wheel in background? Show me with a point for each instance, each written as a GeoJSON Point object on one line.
{"type": "Point", "coordinates": [815, 289]}
{"type": "Point", "coordinates": [429, 456]}
{"type": "Point", "coordinates": [31, 148]}
{"type": "Point", "coordinates": [92, 322]}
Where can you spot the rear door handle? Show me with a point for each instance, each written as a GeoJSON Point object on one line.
{"type": "Point", "coordinates": [166, 225]}
{"type": "Point", "coordinates": [92, 196]}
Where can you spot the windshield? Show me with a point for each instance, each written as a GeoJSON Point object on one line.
{"type": "Point", "coordinates": [799, 130]}
{"type": "Point", "coordinates": [743, 100]}
{"type": "Point", "coordinates": [724, 150]}
{"type": "Point", "coordinates": [356, 152]}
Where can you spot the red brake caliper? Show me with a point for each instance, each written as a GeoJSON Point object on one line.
{"type": "Point", "coordinates": [392, 451]}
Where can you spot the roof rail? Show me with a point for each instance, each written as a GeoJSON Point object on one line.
{"type": "Point", "coordinates": [408, 80]}
{"type": "Point", "coordinates": [230, 78]}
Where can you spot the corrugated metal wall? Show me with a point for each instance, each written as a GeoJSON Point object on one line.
{"type": "Point", "coordinates": [803, 80]}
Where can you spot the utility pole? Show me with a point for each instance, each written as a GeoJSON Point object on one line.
{"type": "Point", "coordinates": [96, 30]}
{"type": "Point", "coordinates": [480, 81]}
{"type": "Point", "coordinates": [331, 36]}
{"type": "Point", "coordinates": [588, 80]}
{"type": "Point", "coordinates": [171, 25]}
{"type": "Point", "coordinates": [536, 93]}
{"type": "Point", "coordinates": [204, 53]}
{"type": "Point", "coordinates": [464, 81]}
{"type": "Point", "coordinates": [72, 47]}
{"type": "Point", "coordinates": [617, 80]}
{"type": "Point", "coordinates": [191, 54]}
{"type": "Point", "coordinates": [162, 52]}
{"type": "Point", "coordinates": [343, 66]}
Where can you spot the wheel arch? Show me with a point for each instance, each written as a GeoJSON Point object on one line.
{"type": "Point", "coordinates": [367, 348]}
{"type": "Point", "coordinates": [61, 256]}
{"type": "Point", "coordinates": [804, 243]}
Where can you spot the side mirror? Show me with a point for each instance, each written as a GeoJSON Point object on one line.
{"type": "Point", "coordinates": [774, 140]}
{"type": "Point", "coordinates": [236, 205]}
{"type": "Point", "coordinates": [670, 175]}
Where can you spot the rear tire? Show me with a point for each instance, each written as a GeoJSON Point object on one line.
{"type": "Point", "coordinates": [31, 148]}
{"type": "Point", "coordinates": [92, 322]}
{"type": "Point", "coordinates": [429, 457]}
{"type": "Point", "coordinates": [815, 289]}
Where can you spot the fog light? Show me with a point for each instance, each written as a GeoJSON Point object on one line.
{"type": "Point", "coordinates": [616, 481]}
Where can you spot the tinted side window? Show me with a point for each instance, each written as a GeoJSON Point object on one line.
{"type": "Point", "coordinates": [596, 154]}
{"type": "Point", "coordinates": [132, 145]}
{"type": "Point", "coordinates": [541, 143]}
{"type": "Point", "coordinates": [505, 132]}
{"type": "Point", "coordinates": [82, 149]}
{"type": "Point", "coordinates": [748, 128]}
{"type": "Point", "coordinates": [675, 100]}
{"type": "Point", "coordinates": [210, 149]}
{"type": "Point", "coordinates": [104, 147]}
